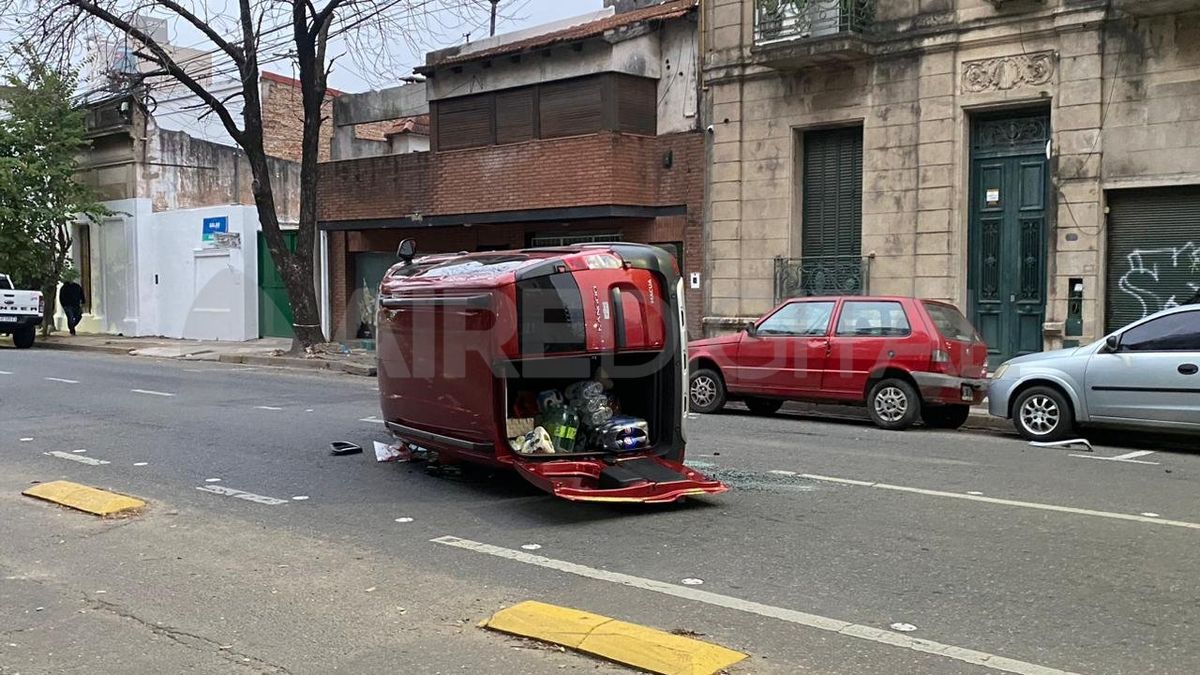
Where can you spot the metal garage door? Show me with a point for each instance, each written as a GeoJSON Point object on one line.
{"type": "Point", "coordinates": [1153, 251]}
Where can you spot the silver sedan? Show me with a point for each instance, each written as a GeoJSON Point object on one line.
{"type": "Point", "coordinates": [1144, 375]}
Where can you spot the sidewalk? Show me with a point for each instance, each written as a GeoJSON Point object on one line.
{"type": "Point", "coordinates": [262, 352]}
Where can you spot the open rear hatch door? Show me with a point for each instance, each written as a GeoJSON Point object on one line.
{"type": "Point", "coordinates": [647, 480]}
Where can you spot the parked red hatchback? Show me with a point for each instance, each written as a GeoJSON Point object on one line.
{"type": "Point", "coordinates": [907, 359]}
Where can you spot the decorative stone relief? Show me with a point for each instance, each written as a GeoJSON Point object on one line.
{"type": "Point", "coordinates": [1007, 72]}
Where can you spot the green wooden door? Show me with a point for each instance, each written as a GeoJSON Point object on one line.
{"type": "Point", "coordinates": [274, 309]}
{"type": "Point", "coordinates": [1006, 278]}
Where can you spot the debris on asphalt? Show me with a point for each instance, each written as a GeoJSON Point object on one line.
{"type": "Point", "coordinates": [404, 519]}
{"type": "Point", "coordinates": [340, 448]}
{"type": "Point", "coordinates": [904, 627]}
{"type": "Point", "coordinates": [692, 581]}
{"type": "Point", "coordinates": [1075, 443]}
{"type": "Point", "coordinates": [399, 452]}
{"type": "Point", "coordinates": [531, 547]}
{"type": "Point", "coordinates": [686, 633]}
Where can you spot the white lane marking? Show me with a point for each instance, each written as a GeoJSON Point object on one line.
{"type": "Point", "coordinates": [82, 459]}
{"type": "Point", "coordinates": [5, 372]}
{"type": "Point", "coordinates": [372, 419]}
{"type": "Point", "coordinates": [883, 636]}
{"type": "Point", "coordinates": [779, 472]}
{"type": "Point", "coordinates": [1126, 458]}
{"type": "Point", "coordinates": [239, 494]}
{"type": "Point", "coordinates": [140, 463]}
{"type": "Point", "coordinates": [300, 498]}
{"type": "Point", "coordinates": [26, 440]}
{"type": "Point", "coordinates": [150, 392]}
{"type": "Point", "coordinates": [79, 450]}
{"type": "Point", "coordinates": [1134, 455]}
{"type": "Point", "coordinates": [266, 407]}
{"type": "Point", "coordinates": [212, 480]}
{"type": "Point", "coordinates": [1005, 502]}
{"type": "Point", "coordinates": [1148, 514]}
{"type": "Point", "coordinates": [405, 519]}
{"type": "Point", "coordinates": [59, 379]}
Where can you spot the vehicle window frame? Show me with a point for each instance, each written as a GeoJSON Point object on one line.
{"type": "Point", "coordinates": [837, 332]}
{"type": "Point", "coordinates": [1122, 347]}
{"type": "Point", "coordinates": [828, 324]}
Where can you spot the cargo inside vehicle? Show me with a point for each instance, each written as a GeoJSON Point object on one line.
{"type": "Point", "coordinates": [633, 383]}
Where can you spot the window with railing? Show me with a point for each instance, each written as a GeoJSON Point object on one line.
{"type": "Point", "coordinates": [785, 20]}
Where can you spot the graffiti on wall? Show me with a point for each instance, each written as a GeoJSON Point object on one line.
{"type": "Point", "coordinates": [1145, 279]}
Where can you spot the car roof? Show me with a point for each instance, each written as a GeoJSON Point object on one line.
{"type": "Point", "coordinates": [862, 298]}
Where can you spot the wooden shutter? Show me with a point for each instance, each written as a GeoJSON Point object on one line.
{"type": "Point", "coordinates": [832, 193]}
{"type": "Point", "coordinates": [637, 104]}
{"type": "Point", "coordinates": [571, 107]}
{"type": "Point", "coordinates": [1153, 251]}
{"type": "Point", "coordinates": [464, 122]}
{"type": "Point", "coordinates": [515, 115]}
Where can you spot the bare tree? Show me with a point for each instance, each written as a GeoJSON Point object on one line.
{"type": "Point", "coordinates": [241, 36]}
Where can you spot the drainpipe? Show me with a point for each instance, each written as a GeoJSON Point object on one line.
{"type": "Point", "coordinates": [323, 310]}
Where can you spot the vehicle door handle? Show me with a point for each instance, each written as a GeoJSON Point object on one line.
{"type": "Point", "coordinates": [1188, 369]}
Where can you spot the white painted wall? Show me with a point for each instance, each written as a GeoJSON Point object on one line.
{"type": "Point", "coordinates": [117, 305]}
{"type": "Point", "coordinates": [205, 293]}
{"type": "Point", "coordinates": [677, 85]}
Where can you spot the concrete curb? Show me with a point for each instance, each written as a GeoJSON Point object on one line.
{"type": "Point", "coordinates": [360, 369]}
{"type": "Point", "coordinates": [103, 349]}
{"type": "Point", "coordinates": [979, 421]}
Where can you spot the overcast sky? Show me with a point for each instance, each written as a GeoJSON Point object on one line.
{"type": "Point", "coordinates": [525, 13]}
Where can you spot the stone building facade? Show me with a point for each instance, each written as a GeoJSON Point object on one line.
{"type": "Point", "coordinates": [1035, 163]}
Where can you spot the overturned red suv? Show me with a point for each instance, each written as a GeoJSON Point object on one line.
{"type": "Point", "coordinates": [906, 359]}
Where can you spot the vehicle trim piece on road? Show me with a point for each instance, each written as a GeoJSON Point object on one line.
{"type": "Point", "coordinates": [879, 635]}
{"type": "Point", "coordinates": [82, 459]}
{"type": "Point", "coordinates": [1003, 502]}
{"type": "Point", "coordinates": [240, 494]}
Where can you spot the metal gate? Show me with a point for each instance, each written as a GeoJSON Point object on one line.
{"type": "Point", "coordinates": [1153, 251]}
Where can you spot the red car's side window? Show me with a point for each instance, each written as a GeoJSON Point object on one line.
{"type": "Point", "coordinates": [799, 319]}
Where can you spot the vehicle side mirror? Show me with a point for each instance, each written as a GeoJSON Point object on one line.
{"type": "Point", "coordinates": [407, 250]}
{"type": "Point", "coordinates": [752, 330]}
{"type": "Point", "coordinates": [1112, 343]}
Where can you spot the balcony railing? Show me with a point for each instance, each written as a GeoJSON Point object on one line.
{"type": "Point", "coordinates": [822, 275]}
{"type": "Point", "coordinates": [788, 20]}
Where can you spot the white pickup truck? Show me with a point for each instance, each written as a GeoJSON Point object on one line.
{"type": "Point", "coordinates": [20, 313]}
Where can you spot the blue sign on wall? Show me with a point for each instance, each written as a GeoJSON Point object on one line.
{"type": "Point", "coordinates": [215, 225]}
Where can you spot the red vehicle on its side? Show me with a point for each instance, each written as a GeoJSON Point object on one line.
{"type": "Point", "coordinates": [906, 359]}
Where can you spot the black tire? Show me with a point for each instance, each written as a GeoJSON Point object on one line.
{"type": "Point", "coordinates": [706, 391]}
{"type": "Point", "coordinates": [946, 416]}
{"type": "Point", "coordinates": [763, 406]}
{"type": "Point", "coordinates": [23, 337]}
{"type": "Point", "coordinates": [1043, 414]}
{"type": "Point", "coordinates": [894, 404]}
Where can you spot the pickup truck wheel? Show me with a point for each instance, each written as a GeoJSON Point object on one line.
{"type": "Point", "coordinates": [894, 404]}
{"type": "Point", "coordinates": [945, 416]}
{"type": "Point", "coordinates": [23, 337]}
{"type": "Point", "coordinates": [706, 391]}
{"type": "Point", "coordinates": [1043, 414]}
{"type": "Point", "coordinates": [763, 406]}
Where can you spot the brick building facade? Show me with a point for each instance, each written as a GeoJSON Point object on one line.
{"type": "Point", "coordinates": [552, 145]}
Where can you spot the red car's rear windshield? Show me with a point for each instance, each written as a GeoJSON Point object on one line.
{"type": "Point", "coordinates": [950, 322]}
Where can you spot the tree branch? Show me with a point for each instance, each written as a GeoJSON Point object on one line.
{"type": "Point", "coordinates": [223, 44]}
{"type": "Point", "coordinates": [165, 60]}
{"type": "Point", "coordinates": [325, 15]}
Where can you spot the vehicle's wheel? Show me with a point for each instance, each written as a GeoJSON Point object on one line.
{"type": "Point", "coordinates": [707, 391]}
{"type": "Point", "coordinates": [946, 416]}
{"type": "Point", "coordinates": [894, 404]}
{"type": "Point", "coordinates": [1043, 414]}
{"type": "Point", "coordinates": [23, 338]}
{"type": "Point", "coordinates": [763, 406]}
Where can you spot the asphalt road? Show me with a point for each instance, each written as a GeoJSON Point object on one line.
{"type": "Point", "coordinates": [1000, 556]}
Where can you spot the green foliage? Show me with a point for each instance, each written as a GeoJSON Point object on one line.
{"type": "Point", "coordinates": [41, 138]}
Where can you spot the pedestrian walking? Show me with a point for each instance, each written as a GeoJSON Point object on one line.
{"type": "Point", "coordinates": [71, 297]}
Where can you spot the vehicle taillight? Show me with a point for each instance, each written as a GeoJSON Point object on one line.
{"type": "Point", "coordinates": [940, 359]}
{"type": "Point", "coordinates": [41, 305]}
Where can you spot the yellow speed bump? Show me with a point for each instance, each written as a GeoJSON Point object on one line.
{"type": "Point", "coordinates": [630, 644]}
{"type": "Point", "coordinates": [84, 498]}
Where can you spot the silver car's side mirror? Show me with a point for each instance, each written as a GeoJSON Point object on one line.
{"type": "Point", "coordinates": [1112, 343]}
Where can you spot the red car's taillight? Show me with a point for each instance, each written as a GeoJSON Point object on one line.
{"type": "Point", "coordinates": [940, 360]}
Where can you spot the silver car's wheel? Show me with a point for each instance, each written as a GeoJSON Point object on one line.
{"type": "Point", "coordinates": [1040, 415]}
{"type": "Point", "coordinates": [1043, 414]}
